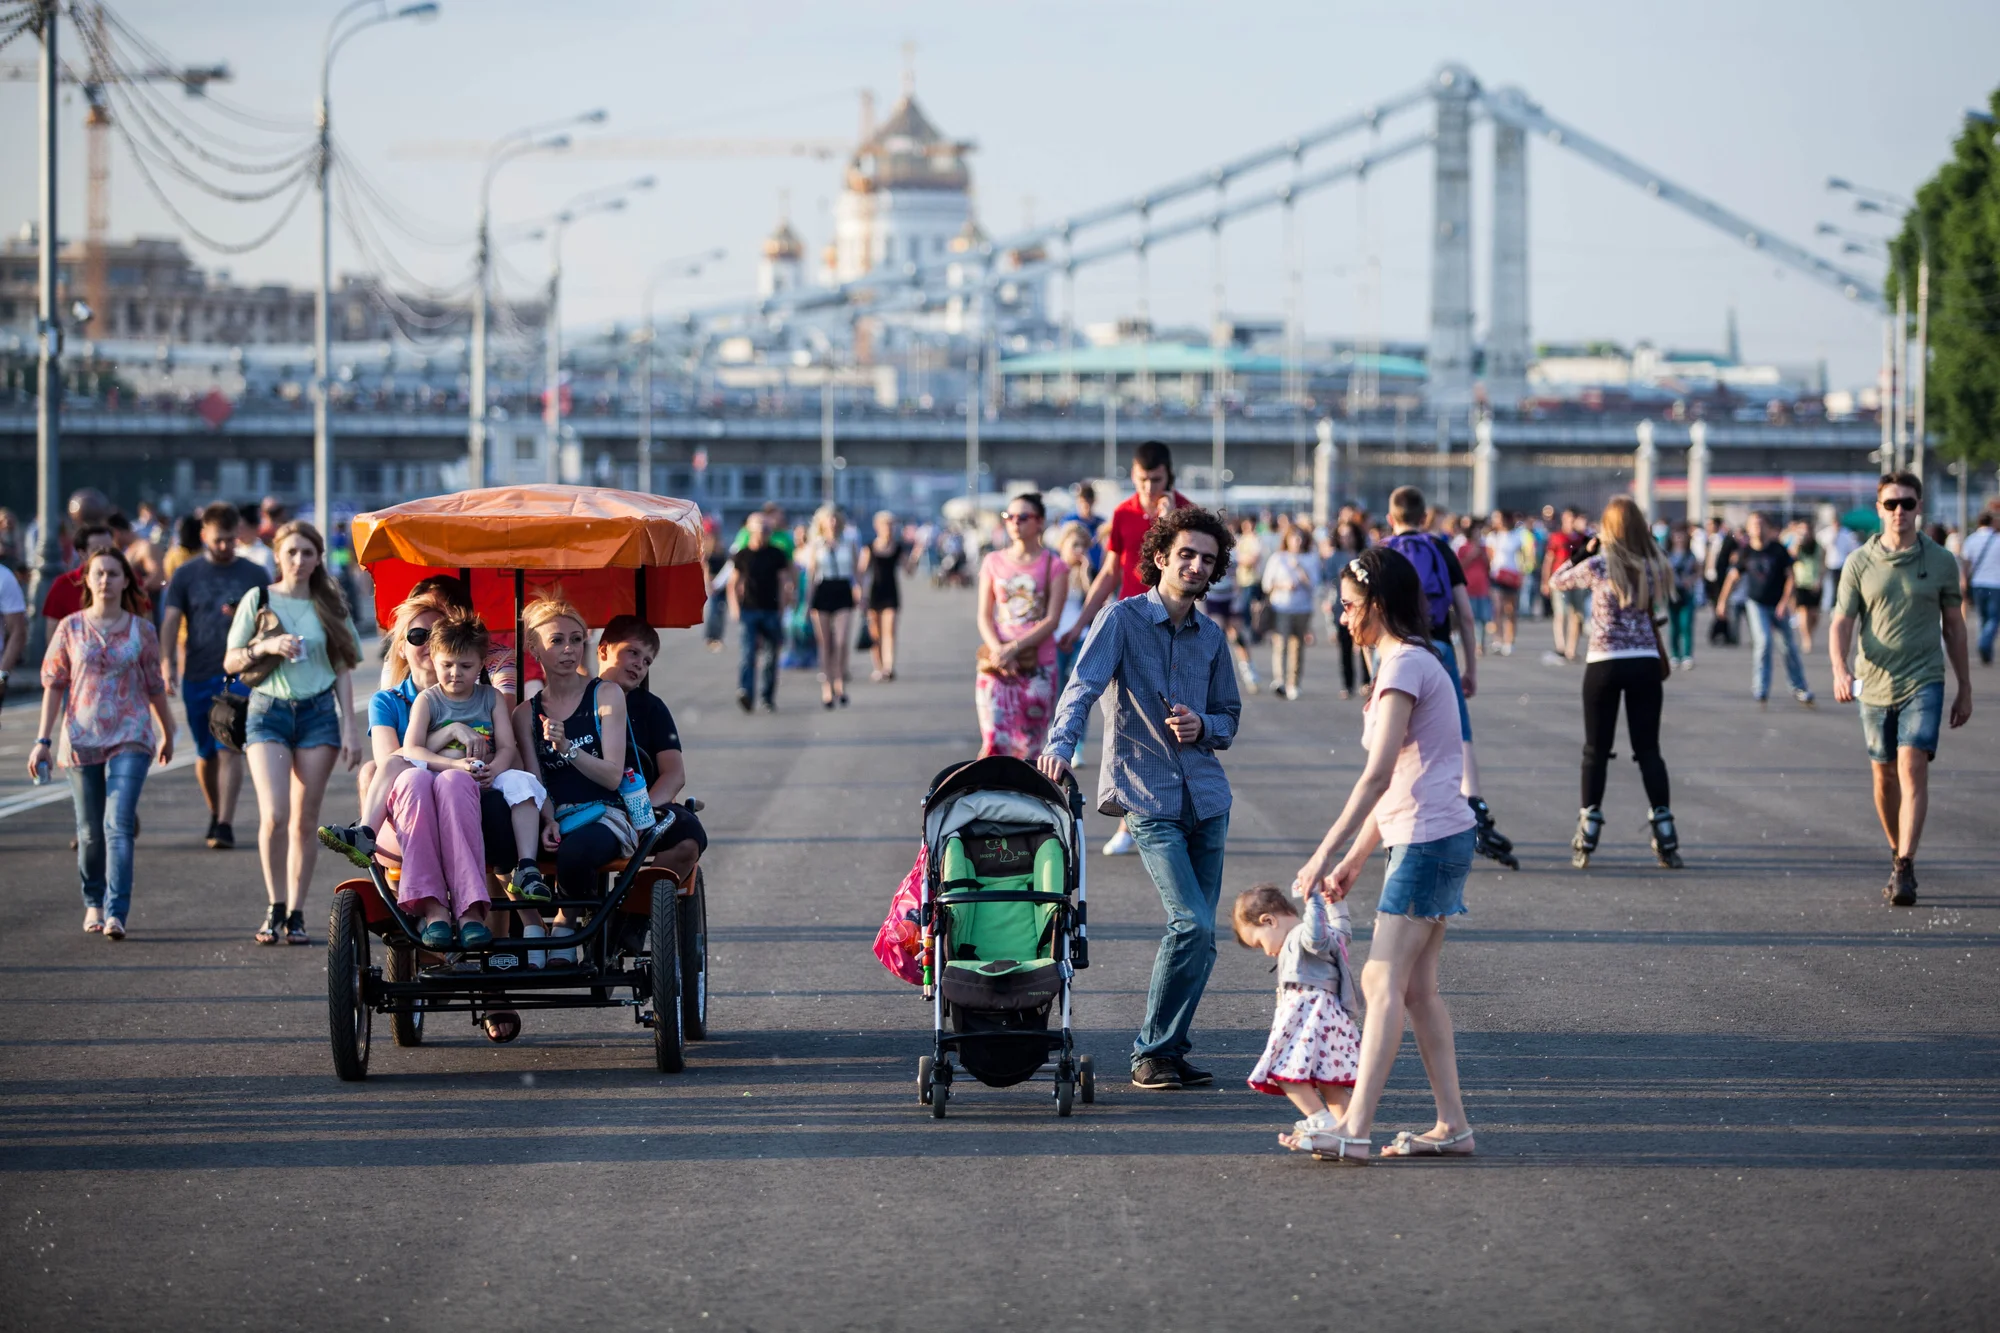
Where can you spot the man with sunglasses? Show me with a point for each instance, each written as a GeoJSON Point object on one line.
{"type": "Point", "coordinates": [1900, 595]}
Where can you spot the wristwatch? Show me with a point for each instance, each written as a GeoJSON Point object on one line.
{"type": "Point", "coordinates": [570, 748]}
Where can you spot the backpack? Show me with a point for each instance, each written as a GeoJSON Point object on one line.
{"type": "Point", "coordinates": [1425, 552]}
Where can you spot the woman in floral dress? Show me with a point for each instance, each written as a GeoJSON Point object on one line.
{"type": "Point", "coordinates": [102, 677]}
{"type": "Point", "coordinates": [1021, 591]}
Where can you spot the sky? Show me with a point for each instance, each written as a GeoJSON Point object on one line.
{"type": "Point", "coordinates": [1753, 103]}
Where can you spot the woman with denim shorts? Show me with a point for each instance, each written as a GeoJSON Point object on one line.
{"type": "Point", "coordinates": [301, 717]}
{"type": "Point", "coordinates": [1407, 800]}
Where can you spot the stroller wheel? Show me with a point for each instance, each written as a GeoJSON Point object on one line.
{"type": "Point", "coordinates": [1065, 1089]}
{"type": "Point", "coordinates": [924, 1066]}
{"type": "Point", "coordinates": [1087, 1079]}
{"type": "Point", "coordinates": [940, 1090]}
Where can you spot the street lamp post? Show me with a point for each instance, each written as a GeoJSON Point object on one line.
{"type": "Point", "coordinates": [323, 308]}
{"type": "Point", "coordinates": [531, 139]}
{"type": "Point", "coordinates": [48, 328]}
{"type": "Point", "coordinates": [1908, 383]}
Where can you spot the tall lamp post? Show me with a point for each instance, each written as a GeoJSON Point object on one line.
{"type": "Point", "coordinates": [336, 37]}
{"type": "Point", "coordinates": [531, 139]}
{"type": "Point", "coordinates": [48, 330]}
{"type": "Point", "coordinates": [687, 267]}
{"type": "Point", "coordinates": [608, 200]}
{"type": "Point", "coordinates": [1907, 379]}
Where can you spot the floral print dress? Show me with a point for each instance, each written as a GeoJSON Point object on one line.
{"type": "Point", "coordinates": [1015, 711]}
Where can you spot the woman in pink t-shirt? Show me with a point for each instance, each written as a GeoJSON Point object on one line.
{"type": "Point", "coordinates": [1407, 799]}
{"type": "Point", "coordinates": [1021, 591]}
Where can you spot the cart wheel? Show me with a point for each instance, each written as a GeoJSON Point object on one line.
{"type": "Point", "coordinates": [924, 1066]}
{"type": "Point", "coordinates": [940, 1090]}
{"type": "Point", "coordinates": [1065, 1090]}
{"type": "Point", "coordinates": [694, 959]}
{"type": "Point", "coordinates": [1087, 1078]}
{"type": "Point", "coordinates": [401, 965]}
{"type": "Point", "coordinates": [669, 1033]}
{"type": "Point", "coordinates": [348, 1015]}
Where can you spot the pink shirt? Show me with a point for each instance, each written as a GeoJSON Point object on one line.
{"type": "Point", "coordinates": [1021, 593]}
{"type": "Point", "coordinates": [1423, 802]}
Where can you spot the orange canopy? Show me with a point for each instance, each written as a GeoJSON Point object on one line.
{"type": "Point", "coordinates": [609, 552]}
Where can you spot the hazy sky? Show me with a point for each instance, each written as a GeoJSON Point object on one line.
{"type": "Point", "coordinates": [1753, 102]}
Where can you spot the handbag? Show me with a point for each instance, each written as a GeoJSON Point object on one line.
{"type": "Point", "coordinates": [262, 666]}
{"type": "Point", "coordinates": [228, 717]}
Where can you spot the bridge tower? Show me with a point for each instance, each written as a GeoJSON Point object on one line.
{"type": "Point", "coordinates": [1451, 243]}
{"type": "Point", "coordinates": [1508, 345]}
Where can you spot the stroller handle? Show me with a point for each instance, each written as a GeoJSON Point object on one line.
{"type": "Point", "coordinates": [1074, 793]}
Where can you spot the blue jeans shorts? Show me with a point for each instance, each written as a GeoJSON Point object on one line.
{"type": "Point", "coordinates": [1909, 725]}
{"type": "Point", "coordinates": [197, 696]}
{"type": "Point", "coordinates": [1482, 609]}
{"type": "Point", "coordinates": [296, 724]}
{"type": "Point", "coordinates": [1450, 658]}
{"type": "Point", "coordinates": [1427, 879]}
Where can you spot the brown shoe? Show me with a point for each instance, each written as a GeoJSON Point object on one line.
{"type": "Point", "coordinates": [1901, 890]}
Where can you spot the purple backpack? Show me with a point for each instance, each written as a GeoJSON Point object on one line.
{"type": "Point", "coordinates": [1427, 554]}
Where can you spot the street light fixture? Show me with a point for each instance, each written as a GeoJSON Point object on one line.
{"type": "Point", "coordinates": [605, 199]}
{"type": "Point", "coordinates": [336, 37]}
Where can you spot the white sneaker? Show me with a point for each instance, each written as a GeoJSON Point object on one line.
{"type": "Point", "coordinates": [1120, 843]}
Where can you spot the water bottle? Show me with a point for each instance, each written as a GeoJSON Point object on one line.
{"type": "Point", "coordinates": [42, 774]}
{"type": "Point", "coordinates": [638, 804]}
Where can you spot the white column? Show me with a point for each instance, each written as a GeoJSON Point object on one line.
{"type": "Point", "coordinates": [1324, 475]}
{"type": "Point", "coordinates": [1451, 244]}
{"type": "Point", "coordinates": [1645, 468]}
{"type": "Point", "coordinates": [1697, 472]}
{"type": "Point", "coordinates": [1508, 345]}
{"type": "Point", "coordinates": [1484, 456]}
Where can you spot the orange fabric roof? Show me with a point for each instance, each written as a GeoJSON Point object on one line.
{"type": "Point", "coordinates": [533, 527]}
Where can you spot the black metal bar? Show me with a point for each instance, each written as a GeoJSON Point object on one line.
{"type": "Point", "coordinates": [639, 593]}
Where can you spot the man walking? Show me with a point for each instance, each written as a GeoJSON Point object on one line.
{"type": "Point", "coordinates": [1764, 568]}
{"type": "Point", "coordinates": [1173, 706]}
{"type": "Point", "coordinates": [1981, 558]}
{"type": "Point", "coordinates": [1900, 592]}
{"type": "Point", "coordinates": [202, 596]}
{"type": "Point", "coordinates": [760, 592]}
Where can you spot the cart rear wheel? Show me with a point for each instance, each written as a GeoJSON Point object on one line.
{"type": "Point", "coordinates": [348, 1016]}
{"type": "Point", "coordinates": [924, 1066]}
{"type": "Point", "coordinates": [694, 959]}
{"type": "Point", "coordinates": [1086, 1079]}
{"type": "Point", "coordinates": [669, 1033]}
{"type": "Point", "coordinates": [401, 965]}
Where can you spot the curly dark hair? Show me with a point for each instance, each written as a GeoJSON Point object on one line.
{"type": "Point", "coordinates": [1159, 540]}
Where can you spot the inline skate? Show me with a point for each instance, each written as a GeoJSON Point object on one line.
{"type": "Point", "coordinates": [1666, 842]}
{"type": "Point", "coordinates": [1589, 825]}
{"type": "Point", "coordinates": [1487, 840]}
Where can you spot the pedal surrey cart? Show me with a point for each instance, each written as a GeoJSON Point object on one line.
{"type": "Point", "coordinates": [608, 553]}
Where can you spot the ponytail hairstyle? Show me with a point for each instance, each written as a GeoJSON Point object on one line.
{"type": "Point", "coordinates": [342, 649]}
{"type": "Point", "coordinates": [1392, 590]}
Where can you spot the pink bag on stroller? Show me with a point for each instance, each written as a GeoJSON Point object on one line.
{"type": "Point", "coordinates": [899, 941]}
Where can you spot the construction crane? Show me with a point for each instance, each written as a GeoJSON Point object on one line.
{"type": "Point", "coordinates": [193, 79]}
{"type": "Point", "coordinates": [628, 148]}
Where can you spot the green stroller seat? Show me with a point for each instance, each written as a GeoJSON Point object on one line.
{"type": "Point", "coordinates": [1000, 955]}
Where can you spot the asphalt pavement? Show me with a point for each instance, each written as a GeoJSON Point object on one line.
{"type": "Point", "coordinates": [1741, 1095]}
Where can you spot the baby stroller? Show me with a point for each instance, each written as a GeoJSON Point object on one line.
{"type": "Point", "coordinates": [1003, 930]}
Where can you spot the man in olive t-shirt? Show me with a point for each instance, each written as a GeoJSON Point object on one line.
{"type": "Point", "coordinates": [1900, 595]}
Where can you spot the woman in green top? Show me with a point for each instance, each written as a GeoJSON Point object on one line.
{"type": "Point", "coordinates": [301, 715]}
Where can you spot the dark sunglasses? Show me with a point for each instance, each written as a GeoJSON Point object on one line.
{"type": "Point", "coordinates": [1898, 502]}
{"type": "Point", "coordinates": [417, 635]}
{"type": "Point", "coordinates": [1020, 518]}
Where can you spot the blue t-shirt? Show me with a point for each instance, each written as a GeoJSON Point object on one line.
{"type": "Point", "coordinates": [391, 708]}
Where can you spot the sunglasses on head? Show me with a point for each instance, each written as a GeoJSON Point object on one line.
{"type": "Point", "coordinates": [1898, 502]}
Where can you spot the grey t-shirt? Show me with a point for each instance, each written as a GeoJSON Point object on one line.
{"type": "Point", "coordinates": [206, 595]}
{"type": "Point", "coordinates": [475, 712]}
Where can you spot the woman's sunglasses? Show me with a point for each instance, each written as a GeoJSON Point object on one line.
{"type": "Point", "coordinates": [1020, 518]}
{"type": "Point", "coordinates": [1899, 502]}
{"type": "Point", "coordinates": [417, 635]}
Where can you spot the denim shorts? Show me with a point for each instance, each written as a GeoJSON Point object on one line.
{"type": "Point", "coordinates": [1427, 879]}
{"type": "Point", "coordinates": [1909, 725]}
{"type": "Point", "coordinates": [296, 724]}
{"type": "Point", "coordinates": [1482, 608]}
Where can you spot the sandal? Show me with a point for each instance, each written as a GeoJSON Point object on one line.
{"type": "Point", "coordinates": [274, 925]}
{"type": "Point", "coordinates": [114, 929]}
{"type": "Point", "coordinates": [93, 920]}
{"type": "Point", "coordinates": [501, 1026]}
{"type": "Point", "coordinates": [295, 928]}
{"type": "Point", "coordinates": [1327, 1146]}
{"type": "Point", "coordinates": [1416, 1145]}
{"type": "Point", "coordinates": [529, 885]}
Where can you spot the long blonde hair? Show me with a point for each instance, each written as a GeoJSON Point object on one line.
{"type": "Point", "coordinates": [1640, 574]}
{"type": "Point", "coordinates": [342, 648]}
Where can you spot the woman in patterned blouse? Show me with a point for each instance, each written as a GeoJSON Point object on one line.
{"type": "Point", "coordinates": [102, 678]}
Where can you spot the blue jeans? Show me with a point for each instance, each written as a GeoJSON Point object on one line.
{"type": "Point", "coordinates": [1988, 602]}
{"type": "Point", "coordinates": [1765, 625]}
{"type": "Point", "coordinates": [1184, 857]}
{"type": "Point", "coordinates": [106, 797]}
{"type": "Point", "coordinates": [768, 628]}
{"type": "Point", "coordinates": [1449, 656]}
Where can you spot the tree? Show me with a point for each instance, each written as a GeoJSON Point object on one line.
{"type": "Point", "coordinates": [1958, 213]}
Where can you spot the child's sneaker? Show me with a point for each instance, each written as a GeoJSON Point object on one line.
{"type": "Point", "coordinates": [529, 886]}
{"type": "Point", "coordinates": [356, 842]}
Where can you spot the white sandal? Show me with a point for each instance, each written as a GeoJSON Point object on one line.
{"type": "Point", "coordinates": [1416, 1145]}
{"type": "Point", "coordinates": [93, 920]}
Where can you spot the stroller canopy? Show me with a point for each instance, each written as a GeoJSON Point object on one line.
{"type": "Point", "coordinates": [999, 789]}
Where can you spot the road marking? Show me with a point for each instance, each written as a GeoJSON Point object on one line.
{"type": "Point", "coordinates": [36, 797]}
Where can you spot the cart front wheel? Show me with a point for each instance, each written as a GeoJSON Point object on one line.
{"type": "Point", "coordinates": [349, 1019]}
{"type": "Point", "coordinates": [669, 1032]}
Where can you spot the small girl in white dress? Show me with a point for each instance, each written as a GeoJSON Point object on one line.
{"type": "Point", "coordinates": [1315, 1044]}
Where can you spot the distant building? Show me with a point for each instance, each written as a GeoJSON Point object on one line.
{"type": "Point", "coordinates": [906, 196]}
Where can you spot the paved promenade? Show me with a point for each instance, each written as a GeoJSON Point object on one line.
{"type": "Point", "coordinates": [1743, 1095]}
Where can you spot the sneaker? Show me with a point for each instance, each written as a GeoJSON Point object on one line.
{"type": "Point", "coordinates": [1506, 650]}
{"type": "Point", "coordinates": [743, 701]}
{"type": "Point", "coordinates": [1804, 696]}
{"type": "Point", "coordinates": [1120, 843]}
{"type": "Point", "coordinates": [223, 838]}
{"type": "Point", "coordinates": [1901, 890]}
{"type": "Point", "coordinates": [529, 886]}
{"type": "Point", "coordinates": [770, 704]}
{"type": "Point", "coordinates": [356, 842]}
{"type": "Point", "coordinates": [1553, 658]}
{"type": "Point", "coordinates": [209, 836]}
{"type": "Point", "coordinates": [1190, 1076]}
{"type": "Point", "coordinates": [1156, 1073]}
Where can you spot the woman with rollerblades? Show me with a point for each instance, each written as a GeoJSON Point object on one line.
{"type": "Point", "coordinates": [1633, 585]}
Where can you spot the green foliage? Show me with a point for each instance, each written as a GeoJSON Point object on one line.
{"type": "Point", "coordinates": [1958, 211]}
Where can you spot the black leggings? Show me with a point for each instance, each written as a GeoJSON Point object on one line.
{"type": "Point", "coordinates": [1638, 680]}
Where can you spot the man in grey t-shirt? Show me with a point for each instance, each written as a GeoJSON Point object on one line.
{"type": "Point", "coordinates": [202, 598]}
